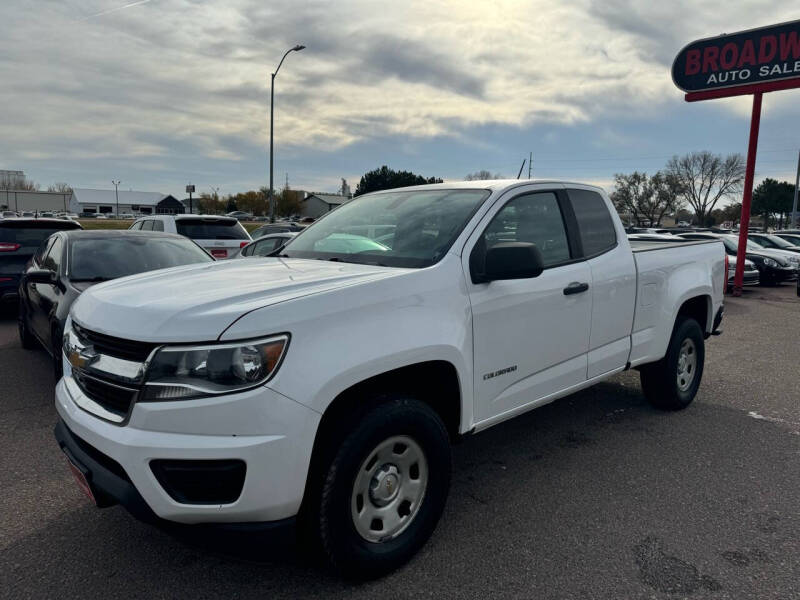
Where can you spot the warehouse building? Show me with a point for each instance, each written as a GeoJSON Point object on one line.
{"type": "Point", "coordinates": [31, 201]}
{"type": "Point", "coordinates": [101, 202]}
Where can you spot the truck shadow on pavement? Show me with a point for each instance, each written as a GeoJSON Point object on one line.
{"type": "Point", "coordinates": [594, 495]}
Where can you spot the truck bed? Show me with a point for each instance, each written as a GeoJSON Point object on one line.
{"type": "Point", "coordinates": [668, 272]}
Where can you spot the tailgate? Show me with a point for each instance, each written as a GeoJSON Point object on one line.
{"type": "Point", "coordinates": [221, 249]}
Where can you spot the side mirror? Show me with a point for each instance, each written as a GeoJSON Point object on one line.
{"type": "Point", "coordinates": [40, 276]}
{"type": "Point", "coordinates": [513, 260]}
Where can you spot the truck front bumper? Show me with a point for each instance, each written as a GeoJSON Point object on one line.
{"type": "Point", "coordinates": [270, 434]}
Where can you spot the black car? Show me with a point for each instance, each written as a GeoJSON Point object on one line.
{"type": "Point", "coordinates": [68, 262]}
{"type": "Point", "coordinates": [773, 241]}
{"type": "Point", "coordinates": [19, 239]}
{"type": "Point", "coordinates": [772, 267]}
{"type": "Point", "coordinates": [286, 227]}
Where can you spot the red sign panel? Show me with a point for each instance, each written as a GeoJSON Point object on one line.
{"type": "Point", "coordinates": [747, 61]}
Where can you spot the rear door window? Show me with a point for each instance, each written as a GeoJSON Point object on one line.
{"type": "Point", "coordinates": [158, 225]}
{"type": "Point", "coordinates": [147, 225]}
{"type": "Point", "coordinates": [211, 229]}
{"type": "Point", "coordinates": [596, 228]}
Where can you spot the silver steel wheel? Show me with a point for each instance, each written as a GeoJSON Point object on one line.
{"type": "Point", "coordinates": [389, 489]}
{"type": "Point", "coordinates": [687, 364]}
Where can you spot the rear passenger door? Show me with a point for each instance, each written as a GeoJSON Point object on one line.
{"type": "Point", "coordinates": [530, 336]}
{"type": "Point", "coordinates": [613, 274]}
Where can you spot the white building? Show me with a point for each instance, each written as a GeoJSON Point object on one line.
{"type": "Point", "coordinates": [137, 203]}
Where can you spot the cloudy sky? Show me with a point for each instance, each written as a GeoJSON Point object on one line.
{"type": "Point", "coordinates": [159, 93]}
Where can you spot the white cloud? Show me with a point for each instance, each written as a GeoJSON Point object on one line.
{"type": "Point", "coordinates": [183, 78]}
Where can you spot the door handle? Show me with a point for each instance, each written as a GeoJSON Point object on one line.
{"type": "Point", "coordinates": [575, 288]}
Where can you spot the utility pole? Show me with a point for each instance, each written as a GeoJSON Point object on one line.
{"type": "Point", "coordinates": [794, 204]}
{"type": "Point", "coordinates": [530, 165]}
{"type": "Point", "coordinates": [116, 194]}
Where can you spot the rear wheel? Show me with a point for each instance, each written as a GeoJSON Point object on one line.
{"type": "Point", "coordinates": [385, 488]}
{"type": "Point", "coordinates": [672, 382]}
{"type": "Point", "coordinates": [26, 338]}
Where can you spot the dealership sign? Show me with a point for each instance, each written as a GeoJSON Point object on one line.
{"type": "Point", "coordinates": [744, 59]}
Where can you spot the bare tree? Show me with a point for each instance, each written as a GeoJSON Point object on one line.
{"type": "Point", "coordinates": [61, 187]}
{"type": "Point", "coordinates": [13, 182]}
{"type": "Point", "coordinates": [704, 178]}
{"type": "Point", "coordinates": [482, 175]}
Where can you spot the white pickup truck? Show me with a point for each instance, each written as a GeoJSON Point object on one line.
{"type": "Point", "coordinates": [323, 386]}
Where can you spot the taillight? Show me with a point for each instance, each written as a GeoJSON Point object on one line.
{"type": "Point", "coordinates": [243, 244]}
{"type": "Point", "coordinates": [725, 281]}
{"type": "Point", "coordinates": [9, 247]}
{"type": "Point", "coordinates": [219, 253]}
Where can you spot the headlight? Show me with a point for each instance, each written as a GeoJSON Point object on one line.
{"type": "Point", "coordinates": [770, 263]}
{"type": "Point", "coordinates": [186, 372]}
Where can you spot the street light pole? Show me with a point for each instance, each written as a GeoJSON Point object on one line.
{"type": "Point", "coordinates": [271, 121]}
{"type": "Point", "coordinates": [116, 194]}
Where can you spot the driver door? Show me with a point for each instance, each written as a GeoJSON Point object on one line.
{"type": "Point", "coordinates": [530, 336]}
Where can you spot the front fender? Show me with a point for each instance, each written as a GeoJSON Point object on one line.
{"type": "Point", "coordinates": [345, 336]}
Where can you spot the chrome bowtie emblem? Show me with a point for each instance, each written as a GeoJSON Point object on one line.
{"type": "Point", "coordinates": [80, 358]}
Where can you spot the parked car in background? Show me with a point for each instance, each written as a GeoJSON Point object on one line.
{"type": "Point", "coordinates": [325, 387]}
{"type": "Point", "coordinates": [792, 238]}
{"type": "Point", "coordinates": [19, 239]}
{"type": "Point", "coordinates": [307, 220]}
{"type": "Point", "coordinates": [275, 228]}
{"type": "Point", "coordinates": [775, 242]}
{"type": "Point", "coordinates": [69, 262]}
{"type": "Point", "coordinates": [27, 214]}
{"type": "Point", "coordinates": [126, 216]}
{"type": "Point", "coordinates": [267, 244]}
{"type": "Point", "coordinates": [8, 214]}
{"type": "Point", "coordinates": [240, 215]}
{"type": "Point", "coordinates": [773, 266]}
{"type": "Point", "coordinates": [222, 237]}
{"type": "Point", "coordinates": [750, 276]}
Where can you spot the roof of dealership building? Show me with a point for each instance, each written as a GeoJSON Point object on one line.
{"type": "Point", "coordinates": [90, 196]}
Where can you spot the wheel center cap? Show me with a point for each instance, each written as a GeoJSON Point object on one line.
{"type": "Point", "coordinates": [385, 485]}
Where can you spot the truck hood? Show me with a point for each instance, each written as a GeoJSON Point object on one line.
{"type": "Point", "coordinates": [198, 302]}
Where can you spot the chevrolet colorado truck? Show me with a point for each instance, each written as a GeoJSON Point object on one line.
{"type": "Point", "coordinates": [321, 387]}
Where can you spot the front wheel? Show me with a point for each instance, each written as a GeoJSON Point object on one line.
{"type": "Point", "coordinates": [672, 382]}
{"type": "Point", "coordinates": [385, 489]}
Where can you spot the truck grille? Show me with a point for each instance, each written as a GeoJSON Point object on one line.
{"type": "Point", "coordinates": [113, 397]}
{"type": "Point", "coordinates": [113, 346]}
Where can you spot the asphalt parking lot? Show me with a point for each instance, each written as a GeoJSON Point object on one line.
{"type": "Point", "coordinates": [594, 496]}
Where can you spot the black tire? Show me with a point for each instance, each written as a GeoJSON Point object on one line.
{"type": "Point", "coordinates": [348, 550]}
{"type": "Point", "coordinates": [661, 381]}
{"type": "Point", "coordinates": [26, 338]}
{"type": "Point", "coordinates": [55, 347]}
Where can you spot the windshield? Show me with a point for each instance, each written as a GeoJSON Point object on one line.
{"type": "Point", "coordinates": [780, 243]}
{"type": "Point", "coordinates": [108, 258]}
{"type": "Point", "coordinates": [399, 229]}
{"type": "Point", "coordinates": [211, 229]}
